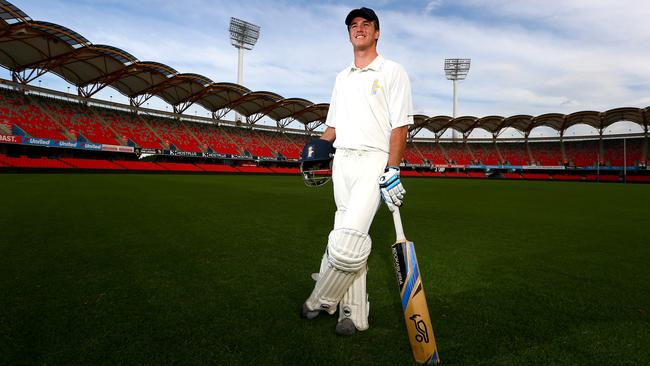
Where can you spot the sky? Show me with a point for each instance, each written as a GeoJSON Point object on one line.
{"type": "Point", "coordinates": [528, 56]}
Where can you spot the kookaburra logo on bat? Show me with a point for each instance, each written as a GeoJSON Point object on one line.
{"type": "Point", "coordinates": [421, 327]}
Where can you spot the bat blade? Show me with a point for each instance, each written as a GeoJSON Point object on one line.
{"type": "Point", "coordinates": [414, 304]}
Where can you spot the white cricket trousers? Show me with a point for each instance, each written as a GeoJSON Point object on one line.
{"type": "Point", "coordinates": [356, 190]}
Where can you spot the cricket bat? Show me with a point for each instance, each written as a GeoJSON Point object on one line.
{"type": "Point", "coordinates": [414, 303]}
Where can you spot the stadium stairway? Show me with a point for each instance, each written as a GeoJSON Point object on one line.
{"type": "Point", "coordinates": [53, 117]}
{"type": "Point", "coordinates": [98, 117]}
{"type": "Point", "coordinates": [162, 141]}
{"type": "Point", "coordinates": [229, 134]}
{"type": "Point", "coordinates": [196, 139]}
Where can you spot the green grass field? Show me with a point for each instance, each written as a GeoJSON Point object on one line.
{"type": "Point", "coordinates": [192, 270]}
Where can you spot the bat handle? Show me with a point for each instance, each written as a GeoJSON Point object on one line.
{"type": "Point", "coordinates": [399, 229]}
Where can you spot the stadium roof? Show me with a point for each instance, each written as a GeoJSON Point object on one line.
{"type": "Point", "coordinates": [32, 45]}
{"type": "Point", "coordinates": [10, 14]}
{"type": "Point", "coordinates": [87, 64]}
{"type": "Point", "coordinates": [180, 88]}
{"type": "Point", "coordinates": [312, 116]}
{"type": "Point", "coordinates": [255, 103]}
{"type": "Point", "coordinates": [31, 48]}
{"type": "Point", "coordinates": [138, 77]}
{"type": "Point", "coordinates": [525, 123]}
{"type": "Point", "coordinates": [286, 108]}
{"type": "Point", "coordinates": [219, 97]}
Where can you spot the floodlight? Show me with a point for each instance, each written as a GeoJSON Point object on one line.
{"type": "Point", "coordinates": [243, 35]}
{"type": "Point", "coordinates": [456, 69]}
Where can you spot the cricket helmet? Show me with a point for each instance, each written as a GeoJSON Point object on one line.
{"type": "Point", "coordinates": [316, 162]}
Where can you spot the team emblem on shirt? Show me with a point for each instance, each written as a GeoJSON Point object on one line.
{"type": "Point", "coordinates": [375, 87]}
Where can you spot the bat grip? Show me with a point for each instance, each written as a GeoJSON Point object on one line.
{"type": "Point", "coordinates": [399, 229]}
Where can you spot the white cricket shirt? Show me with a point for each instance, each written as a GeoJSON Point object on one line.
{"type": "Point", "coordinates": [367, 103]}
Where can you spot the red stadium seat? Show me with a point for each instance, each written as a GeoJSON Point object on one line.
{"type": "Point", "coordinates": [582, 153]}
{"type": "Point", "coordinates": [431, 174]}
{"type": "Point", "coordinates": [546, 153]}
{"type": "Point", "coordinates": [91, 163]}
{"type": "Point", "coordinates": [180, 167]}
{"type": "Point", "coordinates": [514, 153]}
{"type": "Point", "coordinates": [511, 175]}
{"type": "Point", "coordinates": [412, 155]}
{"type": "Point", "coordinates": [409, 173]}
{"type": "Point", "coordinates": [639, 178]}
{"type": "Point", "coordinates": [286, 170]}
{"type": "Point", "coordinates": [254, 169]}
{"type": "Point", "coordinates": [572, 177]}
{"type": "Point", "coordinates": [603, 178]}
{"type": "Point", "coordinates": [455, 175]}
{"type": "Point", "coordinates": [432, 152]}
{"type": "Point", "coordinates": [25, 162]}
{"type": "Point", "coordinates": [139, 165]}
{"type": "Point", "coordinates": [536, 176]}
{"type": "Point", "coordinates": [616, 153]}
{"type": "Point", "coordinates": [458, 153]}
{"type": "Point", "coordinates": [217, 168]}
{"type": "Point", "coordinates": [484, 153]}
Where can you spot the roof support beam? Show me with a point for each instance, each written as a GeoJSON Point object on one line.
{"type": "Point", "coordinates": [254, 118]}
{"type": "Point", "coordinates": [282, 123]}
{"type": "Point", "coordinates": [413, 132]}
{"type": "Point", "coordinates": [439, 134]}
{"type": "Point", "coordinates": [311, 126]}
{"type": "Point", "coordinates": [182, 107]}
{"type": "Point", "coordinates": [221, 113]}
{"type": "Point", "coordinates": [26, 76]}
{"type": "Point", "coordinates": [139, 100]}
{"type": "Point", "coordinates": [88, 91]}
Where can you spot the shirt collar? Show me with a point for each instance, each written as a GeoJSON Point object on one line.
{"type": "Point", "coordinates": [375, 65]}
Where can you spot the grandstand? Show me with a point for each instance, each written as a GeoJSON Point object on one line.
{"type": "Point", "coordinates": [68, 121]}
{"type": "Point", "coordinates": [85, 133]}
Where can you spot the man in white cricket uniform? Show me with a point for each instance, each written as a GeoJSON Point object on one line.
{"type": "Point", "coordinates": [368, 122]}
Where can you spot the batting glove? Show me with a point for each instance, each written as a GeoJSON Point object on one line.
{"type": "Point", "coordinates": [391, 187]}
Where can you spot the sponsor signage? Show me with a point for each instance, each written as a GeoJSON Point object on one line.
{"type": "Point", "coordinates": [139, 151]}
{"type": "Point", "coordinates": [61, 143]}
{"type": "Point", "coordinates": [70, 144]}
{"type": "Point", "coordinates": [182, 153]}
{"type": "Point", "coordinates": [10, 139]}
{"type": "Point", "coordinates": [37, 141]}
{"type": "Point", "coordinates": [90, 146]}
{"type": "Point", "coordinates": [117, 148]}
{"type": "Point", "coordinates": [543, 167]}
{"type": "Point", "coordinates": [211, 155]}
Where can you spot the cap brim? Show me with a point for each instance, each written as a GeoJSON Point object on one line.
{"type": "Point", "coordinates": [356, 13]}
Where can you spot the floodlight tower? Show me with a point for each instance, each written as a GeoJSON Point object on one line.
{"type": "Point", "coordinates": [456, 69]}
{"type": "Point", "coordinates": [243, 35]}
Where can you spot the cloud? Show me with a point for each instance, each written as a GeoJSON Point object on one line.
{"type": "Point", "coordinates": [432, 5]}
{"type": "Point", "coordinates": [528, 57]}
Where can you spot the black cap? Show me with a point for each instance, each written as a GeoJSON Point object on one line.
{"type": "Point", "coordinates": [365, 13]}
